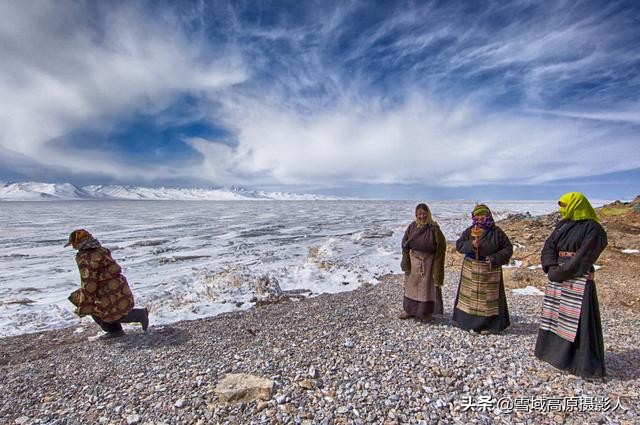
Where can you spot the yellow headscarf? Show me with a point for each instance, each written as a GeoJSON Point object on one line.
{"type": "Point", "coordinates": [577, 207]}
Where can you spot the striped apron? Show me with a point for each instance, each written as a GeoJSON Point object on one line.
{"type": "Point", "coordinates": [563, 303]}
{"type": "Point", "coordinates": [479, 291]}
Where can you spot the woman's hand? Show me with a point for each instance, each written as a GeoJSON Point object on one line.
{"type": "Point", "coordinates": [554, 274]}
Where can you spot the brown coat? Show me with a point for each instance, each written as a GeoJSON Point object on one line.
{"type": "Point", "coordinates": [104, 291]}
{"type": "Point", "coordinates": [414, 239]}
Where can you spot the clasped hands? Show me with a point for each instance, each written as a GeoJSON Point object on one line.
{"type": "Point", "coordinates": [475, 243]}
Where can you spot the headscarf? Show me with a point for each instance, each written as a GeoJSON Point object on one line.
{"type": "Point", "coordinates": [428, 220]}
{"type": "Point", "coordinates": [82, 239]}
{"type": "Point", "coordinates": [577, 207]}
{"type": "Point", "coordinates": [482, 217]}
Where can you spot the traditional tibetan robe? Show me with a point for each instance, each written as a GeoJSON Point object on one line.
{"type": "Point", "coordinates": [481, 304]}
{"type": "Point", "coordinates": [104, 291]}
{"type": "Point", "coordinates": [570, 333]}
{"type": "Point", "coordinates": [425, 248]}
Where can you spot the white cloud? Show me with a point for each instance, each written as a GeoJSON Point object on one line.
{"type": "Point", "coordinates": [60, 73]}
{"type": "Point", "coordinates": [419, 142]}
{"type": "Point", "coordinates": [302, 109]}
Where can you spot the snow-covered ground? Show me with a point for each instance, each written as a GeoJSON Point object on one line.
{"type": "Point", "coordinates": [186, 259]}
{"type": "Point", "coordinates": [35, 191]}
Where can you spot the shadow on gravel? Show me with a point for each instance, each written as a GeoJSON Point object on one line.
{"type": "Point", "coordinates": [165, 336]}
{"type": "Point", "coordinates": [623, 366]}
{"type": "Point", "coordinates": [520, 327]}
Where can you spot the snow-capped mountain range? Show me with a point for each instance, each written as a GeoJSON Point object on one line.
{"type": "Point", "coordinates": [34, 191]}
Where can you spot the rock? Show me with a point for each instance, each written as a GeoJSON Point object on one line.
{"type": "Point", "coordinates": [180, 403]}
{"type": "Point", "coordinates": [313, 372]}
{"type": "Point", "coordinates": [208, 414]}
{"type": "Point", "coordinates": [261, 406]}
{"type": "Point", "coordinates": [244, 387]}
{"type": "Point", "coordinates": [133, 419]}
{"type": "Point", "coordinates": [307, 384]}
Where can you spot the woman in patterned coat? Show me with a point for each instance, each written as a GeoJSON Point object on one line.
{"type": "Point", "coordinates": [481, 304]}
{"type": "Point", "coordinates": [104, 292]}
{"type": "Point", "coordinates": [423, 251]}
{"type": "Point", "coordinates": [570, 334]}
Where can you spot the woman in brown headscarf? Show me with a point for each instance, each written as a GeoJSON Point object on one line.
{"type": "Point", "coordinates": [423, 250]}
{"type": "Point", "coordinates": [481, 304]}
{"type": "Point", "coordinates": [104, 291]}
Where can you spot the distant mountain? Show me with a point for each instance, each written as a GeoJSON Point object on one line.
{"type": "Point", "coordinates": [33, 191]}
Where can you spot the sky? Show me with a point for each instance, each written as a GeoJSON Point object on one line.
{"type": "Point", "coordinates": [384, 99]}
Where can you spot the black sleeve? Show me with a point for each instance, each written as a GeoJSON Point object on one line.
{"type": "Point", "coordinates": [463, 244]}
{"type": "Point", "coordinates": [505, 249]}
{"type": "Point", "coordinates": [549, 254]}
{"type": "Point", "coordinates": [595, 241]}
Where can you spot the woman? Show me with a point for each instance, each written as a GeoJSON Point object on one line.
{"type": "Point", "coordinates": [423, 249]}
{"type": "Point", "coordinates": [570, 333]}
{"type": "Point", "coordinates": [481, 304]}
{"type": "Point", "coordinates": [104, 292]}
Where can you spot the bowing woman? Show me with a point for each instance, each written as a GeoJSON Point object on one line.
{"type": "Point", "coordinates": [481, 304]}
{"type": "Point", "coordinates": [570, 333]}
{"type": "Point", "coordinates": [423, 251]}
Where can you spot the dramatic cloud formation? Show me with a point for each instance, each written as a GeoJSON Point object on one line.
{"type": "Point", "coordinates": [321, 94]}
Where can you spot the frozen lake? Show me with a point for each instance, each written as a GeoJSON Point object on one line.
{"type": "Point", "coordinates": [186, 260]}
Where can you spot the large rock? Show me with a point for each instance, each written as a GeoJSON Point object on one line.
{"type": "Point", "coordinates": [244, 387]}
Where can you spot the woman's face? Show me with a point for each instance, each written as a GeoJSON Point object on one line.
{"type": "Point", "coordinates": [563, 209]}
{"type": "Point", "coordinates": [421, 214]}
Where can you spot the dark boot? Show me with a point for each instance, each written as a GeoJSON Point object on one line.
{"type": "Point", "coordinates": [110, 335]}
{"type": "Point", "coordinates": [144, 320]}
{"type": "Point", "coordinates": [137, 315]}
{"type": "Point", "coordinates": [109, 327]}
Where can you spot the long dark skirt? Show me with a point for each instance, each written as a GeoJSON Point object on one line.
{"type": "Point", "coordinates": [423, 310]}
{"type": "Point", "coordinates": [492, 324]}
{"type": "Point", "coordinates": [585, 356]}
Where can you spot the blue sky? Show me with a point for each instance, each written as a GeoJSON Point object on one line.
{"type": "Point", "coordinates": [440, 99]}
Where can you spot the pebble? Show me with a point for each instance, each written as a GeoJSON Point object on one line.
{"type": "Point", "coordinates": [392, 371]}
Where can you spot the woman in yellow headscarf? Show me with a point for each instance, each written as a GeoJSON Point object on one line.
{"type": "Point", "coordinates": [423, 250]}
{"type": "Point", "coordinates": [570, 334]}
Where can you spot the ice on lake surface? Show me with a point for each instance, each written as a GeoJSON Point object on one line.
{"type": "Point", "coordinates": [186, 260]}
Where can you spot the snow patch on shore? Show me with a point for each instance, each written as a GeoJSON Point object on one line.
{"type": "Point", "coordinates": [528, 290]}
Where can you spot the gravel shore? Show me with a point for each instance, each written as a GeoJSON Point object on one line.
{"type": "Point", "coordinates": [340, 358]}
